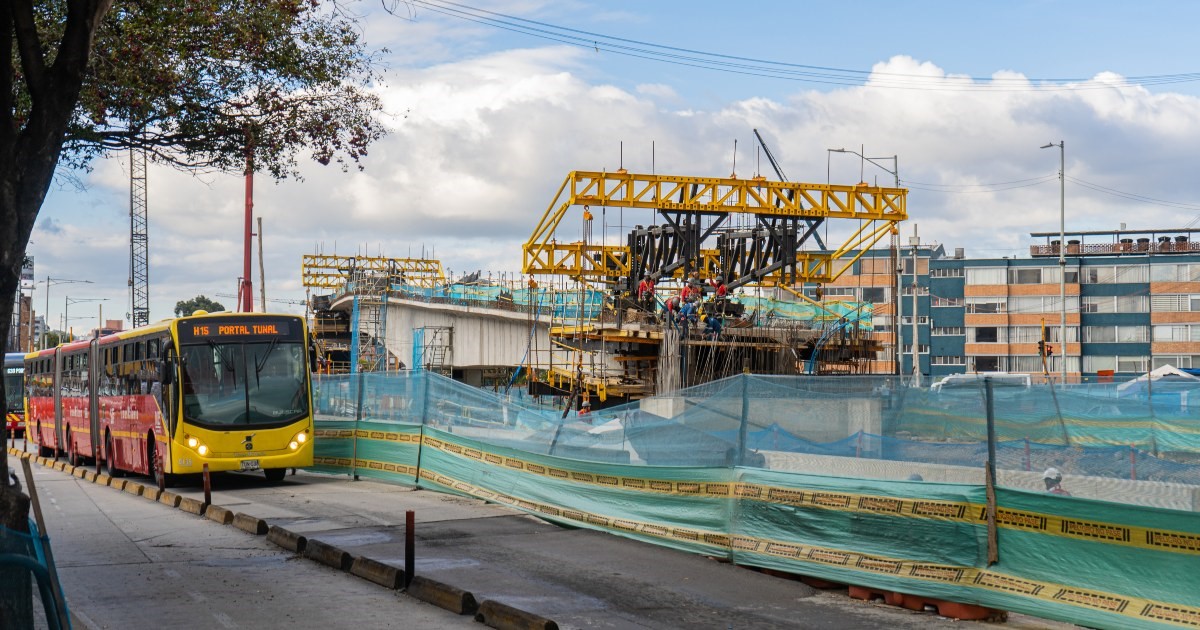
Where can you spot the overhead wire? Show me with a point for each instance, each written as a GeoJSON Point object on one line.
{"type": "Point", "coordinates": [777, 69]}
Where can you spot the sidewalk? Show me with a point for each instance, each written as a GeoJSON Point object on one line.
{"type": "Point", "coordinates": [574, 577]}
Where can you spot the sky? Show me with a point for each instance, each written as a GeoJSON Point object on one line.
{"type": "Point", "coordinates": [486, 121]}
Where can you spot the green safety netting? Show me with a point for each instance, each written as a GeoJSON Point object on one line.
{"type": "Point", "coordinates": [861, 480]}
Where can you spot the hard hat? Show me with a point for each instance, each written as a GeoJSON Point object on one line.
{"type": "Point", "coordinates": [1051, 473]}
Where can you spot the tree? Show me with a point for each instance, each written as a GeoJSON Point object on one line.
{"type": "Point", "coordinates": [219, 85]}
{"type": "Point", "coordinates": [198, 303]}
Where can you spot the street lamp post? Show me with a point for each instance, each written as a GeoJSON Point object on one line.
{"type": "Point", "coordinates": [49, 283]}
{"type": "Point", "coordinates": [1062, 260]}
{"type": "Point", "coordinates": [895, 172]}
{"type": "Point", "coordinates": [67, 304]}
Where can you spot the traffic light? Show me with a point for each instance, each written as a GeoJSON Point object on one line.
{"type": "Point", "coordinates": [1041, 347]}
{"type": "Point", "coordinates": [1049, 350]}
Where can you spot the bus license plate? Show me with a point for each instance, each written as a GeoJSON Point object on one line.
{"type": "Point", "coordinates": [249, 464]}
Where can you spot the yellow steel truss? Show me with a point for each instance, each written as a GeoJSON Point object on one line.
{"type": "Point", "coordinates": [332, 272]}
{"type": "Point", "coordinates": [877, 208]}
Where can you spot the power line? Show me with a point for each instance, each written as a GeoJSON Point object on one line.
{"type": "Point", "coordinates": [775, 69]}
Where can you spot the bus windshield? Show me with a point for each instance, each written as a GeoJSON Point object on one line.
{"type": "Point", "coordinates": [244, 383]}
{"type": "Point", "coordinates": [14, 389]}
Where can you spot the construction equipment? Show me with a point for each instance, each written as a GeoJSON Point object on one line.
{"type": "Point", "coordinates": [695, 209]}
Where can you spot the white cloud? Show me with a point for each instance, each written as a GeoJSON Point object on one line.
{"type": "Point", "coordinates": [488, 140]}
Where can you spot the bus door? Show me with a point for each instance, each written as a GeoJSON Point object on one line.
{"type": "Point", "coordinates": [93, 386]}
{"type": "Point", "coordinates": [57, 393]}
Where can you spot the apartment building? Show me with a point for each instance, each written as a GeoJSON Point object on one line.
{"type": "Point", "coordinates": [1131, 303]}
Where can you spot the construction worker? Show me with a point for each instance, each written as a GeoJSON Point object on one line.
{"type": "Point", "coordinates": [670, 307]}
{"type": "Point", "coordinates": [712, 325]}
{"type": "Point", "coordinates": [718, 285]}
{"type": "Point", "coordinates": [1053, 479]}
{"type": "Point", "coordinates": [645, 294]}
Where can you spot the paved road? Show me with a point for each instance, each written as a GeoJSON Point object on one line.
{"type": "Point", "coordinates": [127, 562]}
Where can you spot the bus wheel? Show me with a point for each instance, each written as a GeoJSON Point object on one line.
{"type": "Point", "coordinates": [155, 464]}
{"type": "Point", "coordinates": [275, 474]}
{"type": "Point", "coordinates": [43, 450]}
{"type": "Point", "coordinates": [110, 464]}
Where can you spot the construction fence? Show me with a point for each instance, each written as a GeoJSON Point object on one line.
{"type": "Point", "coordinates": [859, 480]}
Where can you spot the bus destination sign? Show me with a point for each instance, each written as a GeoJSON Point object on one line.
{"type": "Point", "coordinates": [243, 329]}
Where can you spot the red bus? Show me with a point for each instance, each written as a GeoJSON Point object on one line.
{"type": "Point", "coordinates": [232, 390]}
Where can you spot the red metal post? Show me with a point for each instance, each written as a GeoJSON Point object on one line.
{"type": "Point", "coordinates": [207, 487]}
{"type": "Point", "coordinates": [410, 537]}
{"type": "Point", "coordinates": [247, 291]}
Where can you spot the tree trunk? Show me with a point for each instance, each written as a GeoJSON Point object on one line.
{"type": "Point", "coordinates": [16, 587]}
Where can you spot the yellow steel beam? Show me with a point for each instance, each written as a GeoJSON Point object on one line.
{"type": "Point", "coordinates": [877, 208]}
{"type": "Point", "coordinates": [332, 272]}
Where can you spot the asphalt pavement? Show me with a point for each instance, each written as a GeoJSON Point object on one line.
{"type": "Point", "coordinates": [129, 562]}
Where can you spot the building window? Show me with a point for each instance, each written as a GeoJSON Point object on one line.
{"type": "Point", "coordinates": [947, 360]}
{"type": "Point", "coordinates": [986, 305]}
{"type": "Point", "coordinates": [1115, 334]}
{"type": "Point", "coordinates": [1176, 332]}
{"type": "Point", "coordinates": [921, 290]}
{"type": "Point", "coordinates": [1179, 361]}
{"type": "Point", "coordinates": [1025, 275]}
{"type": "Point", "coordinates": [984, 334]}
{"type": "Point", "coordinates": [921, 320]}
{"type": "Point", "coordinates": [876, 295]}
{"type": "Point", "coordinates": [948, 331]}
{"type": "Point", "coordinates": [1118, 304]}
{"type": "Point", "coordinates": [921, 348]}
{"type": "Point", "coordinates": [987, 275]}
{"type": "Point", "coordinates": [988, 364]}
{"type": "Point", "coordinates": [949, 272]}
{"type": "Point", "coordinates": [942, 301]}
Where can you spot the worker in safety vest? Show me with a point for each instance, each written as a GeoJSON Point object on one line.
{"type": "Point", "coordinates": [645, 294]}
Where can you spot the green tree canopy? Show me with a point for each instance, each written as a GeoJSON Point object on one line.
{"type": "Point", "coordinates": [184, 308]}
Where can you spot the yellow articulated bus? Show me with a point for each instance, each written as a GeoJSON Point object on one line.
{"type": "Point", "coordinates": [231, 390]}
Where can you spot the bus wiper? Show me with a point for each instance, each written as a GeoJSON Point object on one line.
{"type": "Point", "coordinates": [261, 362]}
{"type": "Point", "coordinates": [224, 358]}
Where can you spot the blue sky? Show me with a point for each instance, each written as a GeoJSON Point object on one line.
{"type": "Point", "coordinates": [486, 123]}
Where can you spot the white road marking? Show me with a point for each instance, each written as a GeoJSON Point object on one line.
{"type": "Point", "coordinates": [224, 620]}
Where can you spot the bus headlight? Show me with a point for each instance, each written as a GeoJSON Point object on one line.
{"type": "Point", "coordinates": [195, 444]}
{"type": "Point", "coordinates": [298, 439]}
{"type": "Point", "coordinates": [293, 445]}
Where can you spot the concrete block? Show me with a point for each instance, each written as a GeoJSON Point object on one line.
{"type": "Point", "coordinates": [134, 488]}
{"type": "Point", "coordinates": [90, 476]}
{"type": "Point", "coordinates": [119, 484]}
{"type": "Point", "coordinates": [251, 524]}
{"type": "Point", "coordinates": [382, 574]}
{"type": "Point", "coordinates": [79, 471]}
{"type": "Point", "coordinates": [169, 498]}
{"type": "Point", "coordinates": [328, 555]}
{"type": "Point", "coordinates": [219, 514]}
{"type": "Point", "coordinates": [444, 596]}
{"type": "Point", "coordinates": [60, 465]}
{"type": "Point", "coordinates": [102, 479]}
{"type": "Point", "coordinates": [287, 539]}
{"type": "Point", "coordinates": [194, 506]}
{"type": "Point", "coordinates": [151, 492]}
{"type": "Point", "coordinates": [504, 617]}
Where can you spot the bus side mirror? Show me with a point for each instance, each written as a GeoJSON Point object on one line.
{"type": "Point", "coordinates": [166, 371]}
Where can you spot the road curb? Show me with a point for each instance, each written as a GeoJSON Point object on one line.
{"type": "Point", "coordinates": [134, 488]}
{"type": "Point", "coordinates": [287, 539]}
{"type": "Point", "coordinates": [504, 617]}
{"type": "Point", "coordinates": [219, 514]}
{"type": "Point", "coordinates": [102, 479]}
{"type": "Point", "coordinates": [451, 598]}
{"type": "Point", "coordinates": [327, 554]}
{"type": "Point", "coordinates": [250, 524]}
{"type": "Point", "coordinates": [169, 498]}
{"type": "Point", "coordinates": [119, 484]}
{"type": "Point", "coordinates": [375, 571]}
{"type": "Point", "coordinates": [80, 472]}
{"type": "Point", "coordinates": [188, 504]}
{"type": "Point", "coordinates": [151, 492]}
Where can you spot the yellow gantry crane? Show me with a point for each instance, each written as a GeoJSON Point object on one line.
{"type": "Point", "coordinates": [786, 215]}
{"type": "Point", "coordinates": [332, 272]}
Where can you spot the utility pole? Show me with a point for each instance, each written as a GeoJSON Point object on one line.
{"type": "Point", "coordinates": [262, 281]}
{"type": "Point", "coordinates": [139, 240]}
{"type": "Point", "coordinates": [246, 290]}
{"type": "Point", "coordinates": [915, 241]}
